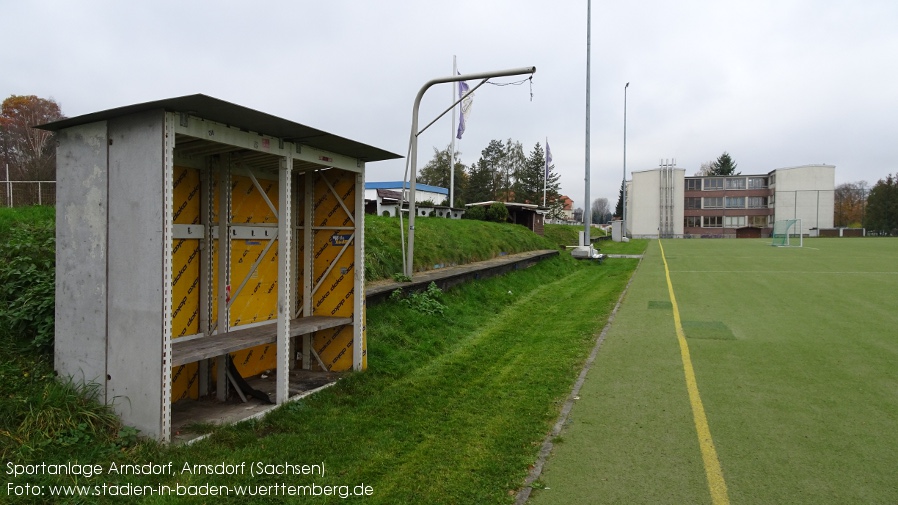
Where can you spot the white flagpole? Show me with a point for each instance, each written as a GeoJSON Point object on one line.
{"type": "Point", "coordinates": [452, 143]}
{"type": "Point", "coordinates": [546, 172]}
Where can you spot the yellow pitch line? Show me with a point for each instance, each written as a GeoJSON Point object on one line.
{"type": "Point", "coordinates": [716, 484]}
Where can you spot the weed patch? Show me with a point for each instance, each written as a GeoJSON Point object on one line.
{"type": "Point", "coordinates": [426, 302]}
{"type": "Point", "coordinates": [27, 283]}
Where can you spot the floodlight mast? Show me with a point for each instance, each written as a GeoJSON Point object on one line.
{"type": "Point", "coordinates": [413, 150]}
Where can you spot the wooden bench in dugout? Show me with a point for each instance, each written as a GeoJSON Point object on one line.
{"type": "Point", "coordinates": [197, 349]}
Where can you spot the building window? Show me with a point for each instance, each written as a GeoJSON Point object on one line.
{"type": "Point", "coordinates": [758, 221]}
{"type": "Point", "coordinates": [713, 221]}
{"type": "Point", "coordinates": [713, 184]}
{"type": "Point", "coordinates": [713, 202]}
{"type": "Point", "coordinates": [692, 221]}
{"type": "Point", "coordinates": [693, 184]}
{"type": "Point", "coordinates": [734, 221]}
{"type": "Point", "coordinates": [693, 203]}
{"type": "Point", "coordinates": [735, 202]}
{"type": "Point", "coordinates": [772, 180]}
{"type": "Point", "coordinates": [736, 183]}
{"type": "Point", "coordinates": [757, 182]}
{"type": "Point", "coordinates": [757, 202]}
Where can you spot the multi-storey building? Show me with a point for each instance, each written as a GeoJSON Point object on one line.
{"type": "Point", "coordinates": [664, 202]}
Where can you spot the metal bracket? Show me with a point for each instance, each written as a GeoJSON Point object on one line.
{"type": "Point", "coordinates": [188, 231]}
{"type": "Point", "coordinates": [253, 232]}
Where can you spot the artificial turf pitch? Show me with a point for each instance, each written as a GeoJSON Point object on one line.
{"type": "Point", "coordinates": [795, 354]}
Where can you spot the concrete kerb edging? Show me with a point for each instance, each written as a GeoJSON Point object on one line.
{"type": "Point", "coordinates": [546, 449]}
{"type": "Point", "coordinates": [448, 277]}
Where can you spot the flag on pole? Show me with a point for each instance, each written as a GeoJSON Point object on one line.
{"type": "Point", "coordinates": [467, 99]}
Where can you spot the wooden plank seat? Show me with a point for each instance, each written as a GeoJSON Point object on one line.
{"type": "Point", "coordinates": [188, 351]}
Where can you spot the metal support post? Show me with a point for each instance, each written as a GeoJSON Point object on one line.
{"type": "Point", "coordinates": [413, 140]}
{"type": "Point", "coordinates": [586, 212]}
{"type": "Point", "coordinates": [308, 265]}
{"type": "Point", "coordinates": [358, 312]}
{"type": "Point", "coordinates": [285, 284]}
{"type": "Point", "coordinates": [224, 267]}
{"type": "Point", "coordinates": [624, 180]}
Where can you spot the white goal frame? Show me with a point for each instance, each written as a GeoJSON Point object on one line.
{"type": "Point", "coordinates": [785, 231]}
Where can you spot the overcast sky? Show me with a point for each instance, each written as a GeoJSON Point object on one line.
{"type": "Point", "coordinates": [776, 83]}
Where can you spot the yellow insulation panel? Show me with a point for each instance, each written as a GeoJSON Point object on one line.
{"type": "Point", "coordinates": [333, 265]}
{"type": "Point", "coordinates": [257, 301]}
{"type": "Point", "coordinates": [186, 287]}
{"type": "Point", "coordinates": [186, 196]}
{"type": "Point", "coordinates": [332, 269]}
{"type": "Point", "coordinates": [248, 205]}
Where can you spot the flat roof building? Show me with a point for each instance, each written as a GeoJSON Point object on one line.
{"type": "Point", "coordinates": [665, 202]}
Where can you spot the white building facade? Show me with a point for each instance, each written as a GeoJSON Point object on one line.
{"type": "Point", "coordinates": [664, 202]}
{"type": "Point", "coordinates": [384, 196]}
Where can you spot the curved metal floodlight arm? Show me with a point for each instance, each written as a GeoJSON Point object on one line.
{"type": "Point", "coordinates": [413, 151]}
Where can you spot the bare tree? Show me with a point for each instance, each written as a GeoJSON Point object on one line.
{"type": "Point", "coordinates": [601, 210]}
{"type": "Point", "coordinates": [706, 169]}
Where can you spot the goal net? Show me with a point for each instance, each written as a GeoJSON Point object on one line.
{"type": "Point", "coordinates": [787, 233]}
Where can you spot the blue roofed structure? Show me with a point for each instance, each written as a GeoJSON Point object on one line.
{"type": "Point", "coordinates": [383, 198]}
{"type": "Point", "coordinates": [397, 185]}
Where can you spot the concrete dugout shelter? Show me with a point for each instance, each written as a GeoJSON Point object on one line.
{"type": "Point", "coordinates": [191, 228]}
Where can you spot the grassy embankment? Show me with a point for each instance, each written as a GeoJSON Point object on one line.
{"type": "Point", "coordinates": [461, 389]}
{"type": "Point", "coordinates": [444, 242]}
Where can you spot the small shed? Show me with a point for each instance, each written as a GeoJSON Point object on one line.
{"type": "Point", "coordinates": [197, 238]}
{"type": "Point", "coordinates": [748, 232]}
{"type": "Point", "coordinates": [528, 215]}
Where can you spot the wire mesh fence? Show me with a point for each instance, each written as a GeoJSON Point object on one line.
{"type": "Point", "coordinates": [24, 193]}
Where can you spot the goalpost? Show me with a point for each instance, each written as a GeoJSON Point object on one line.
{"type": "Point", "coordinates": [785, 231]}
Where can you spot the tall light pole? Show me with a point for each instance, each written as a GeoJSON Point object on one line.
{"type": "Point", "coordinates": [623, 186]}
{"type": "Point", "coordinates": [587, 214]}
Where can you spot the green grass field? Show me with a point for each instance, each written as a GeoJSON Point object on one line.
{"type": "Point", "coordinates": [795, 353]}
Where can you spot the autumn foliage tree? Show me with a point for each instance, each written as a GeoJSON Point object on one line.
{"type": "Point", "coordinates": [29, 153]}
{"type": "Point", "coordinates": [850, 201]}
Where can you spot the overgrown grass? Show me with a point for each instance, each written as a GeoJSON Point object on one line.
{"type": "Point", "coordinates": [13, 217]}
{"type": "Point", "coordinates": [42, 418]}
{"type": "Point", "coordinates": [563, 234]}
{"type": "Point", "coordinates": [27, 282]}
{"type": "Point", "coordinates": [442, 242]}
